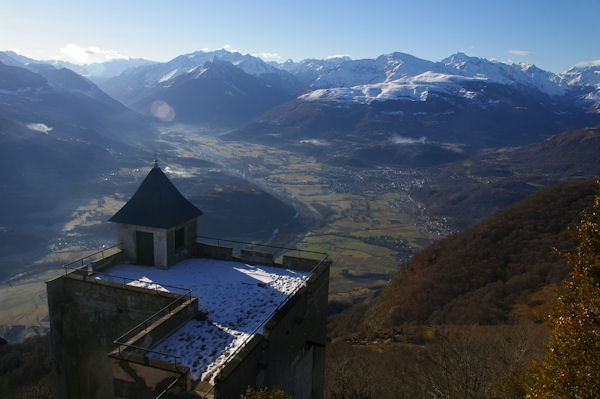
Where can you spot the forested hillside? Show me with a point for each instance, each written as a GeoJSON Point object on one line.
{"type": "Point", "coordinates": [25, 368]}
{"type": "Point", "coordinates": [494, 272]}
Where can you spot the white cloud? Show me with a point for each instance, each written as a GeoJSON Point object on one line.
{"type": "Point", "coordinates": [407, 140]}
{"type": "Point", "coordinates": [337, 56]}
{"type": "Point", "coordinates": [521, 52]}
{"type": "Point", "coordinates": [231, 49]}
{"type": "Point", "coordinates": [87, 55]}
{"type": "Point", "coordinates": [588, 63]}
{"type": "Point", "coordinates": [265, 55]}
{"type": "Point", "coordinates": [268, 56]}
{"type": "Point", "coordinates": [23, 53]}
{"type": "Point", "coordinates": [39, 127]}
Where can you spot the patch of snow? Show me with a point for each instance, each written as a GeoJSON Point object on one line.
{"type": "Point", "coordinates": [314, 142]}
{"type": "Point", "coordinates": [392, 113]}
{"type": "Point", "coordinates": [197, 72]}
{"type": "Point", "coordinates": [167, 76]}
{"type": "Point", "coordinates": [415, 88]}
{"type": "Point", "coordinates": [39, 127]}
{"type": "Point", "coordinates": [236, 297]}
{"type": "Point", "coordinates": [407, 140]}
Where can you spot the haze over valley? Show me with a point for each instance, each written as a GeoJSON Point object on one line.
{"type": "Point", "coordinates": [358, 158]}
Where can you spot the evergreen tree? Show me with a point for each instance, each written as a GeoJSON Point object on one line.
{"type": "Point", "coordinates": [571, 367]}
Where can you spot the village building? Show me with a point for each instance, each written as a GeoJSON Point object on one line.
{"type": "Point", "coordinates": [164, 315]}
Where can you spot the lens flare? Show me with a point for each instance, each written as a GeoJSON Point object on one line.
{"type": "Point", "coordinates": [162, 111]}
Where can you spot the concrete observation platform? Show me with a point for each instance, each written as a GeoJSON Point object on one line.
{"type": "Point", "coordinates": [208, 326]}
{"type": "Point", "coordinates": [234, 299]}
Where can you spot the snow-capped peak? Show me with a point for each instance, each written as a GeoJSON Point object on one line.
{"type": "Point", "coordinates": [504, 73]}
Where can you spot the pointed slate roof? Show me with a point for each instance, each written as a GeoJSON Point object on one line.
{"type": "Point", "coordinates": [156, 203]}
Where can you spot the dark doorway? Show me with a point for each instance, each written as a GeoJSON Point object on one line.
{"type": "Point", "coordinates": [179, 239]}
{"type": "Point", "coordinates": [144, 248]}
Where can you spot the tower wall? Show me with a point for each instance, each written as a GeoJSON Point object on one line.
{"type": "Point", "coordinates": [290, 352]}
{"type": "Point", "coordinates": [86, 315]}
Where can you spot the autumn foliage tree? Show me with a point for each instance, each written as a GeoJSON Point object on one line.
{"type": "Point", "coordinates": [571, 367]}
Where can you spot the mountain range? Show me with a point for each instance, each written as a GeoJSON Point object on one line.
{"type": "Point", "coordinates": [484, 103]}
{"type": "Point", "coordinates": [398, 99]}
{"type": "Point", "coordinates": [322, 106]}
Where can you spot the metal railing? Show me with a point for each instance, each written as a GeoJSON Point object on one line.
{"type": "Point", "coordinates": [218, 240]}
{"type": "Point", "coordinates": [144, 324]}
{"type": "Point", "coordinates": [168, 388]}
{"type": "Point", "coordinates": [157, 286]}
{"type": "Point", "coordinates": [82, 261]}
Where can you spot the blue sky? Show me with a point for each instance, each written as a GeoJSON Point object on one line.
{"type": "Point", "coordinates": [554, 35]}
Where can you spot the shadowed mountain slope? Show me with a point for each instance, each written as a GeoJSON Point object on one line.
{"type": "Point", "coordinates": [471, 190]}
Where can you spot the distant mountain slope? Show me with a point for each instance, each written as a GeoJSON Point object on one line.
{"type": "Point", "coordinates": [60, 97]}
{"type": "Point", "coordinates": [505, 116]}
{"type": "Point", "coordinates": [60, 138]}
{"type": "Point", "coordinates": [217, 93]}
{"type": "Point", "coordinates": [219, 87]}
{"type": "Point", "coordinates": [97, 71]}
{"type": "Point", "coordinates": [460, 100]}
{"type": "Point", "coordinates": [470, 190]}
{"type": "Point", "coordinates": [568, 155]}
{"type": "Point", "coordinates": [493, 272]}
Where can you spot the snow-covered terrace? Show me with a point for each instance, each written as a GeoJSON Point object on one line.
{"type": "Point", "coordinates": [235, 296]}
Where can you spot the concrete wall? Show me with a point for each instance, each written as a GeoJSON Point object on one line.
{"type": "Point", "coordinates": [203, 250]}
{"type": "Point", "coordinates": [126, 238]}
{"type": "Point", "coordinates": [256, 257]}
{"type": "Point", "coordinates": [175, 255]}
{"type": "Point", "coordinates": [290, 355]}
{"type": "Point", "coordinates": [138, 376]}
{"type": "Point", "coordinates": [299, 263]}
{"type": "Point", "coordinates": [108, 261]}
{"type": "Point", "coordinates": [86, 315]}
{"type": "Point", "coordinates": [160, 248]}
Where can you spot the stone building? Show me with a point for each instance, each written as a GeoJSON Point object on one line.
{"type": "Point", "coordinates": [166, 316]}
{"type": "Point", "coordinates": [157, 226]}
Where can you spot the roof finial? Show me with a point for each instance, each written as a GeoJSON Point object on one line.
{"type": "Point", "coordinates": [155, 159]}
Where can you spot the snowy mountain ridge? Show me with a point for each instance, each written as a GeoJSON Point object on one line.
{"type": "Point", "coordinates": [395, 76]}
{"type": "Point", "coordinates": [403, 76]}
{"type": "Point", "coordinates": [188, 63]}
